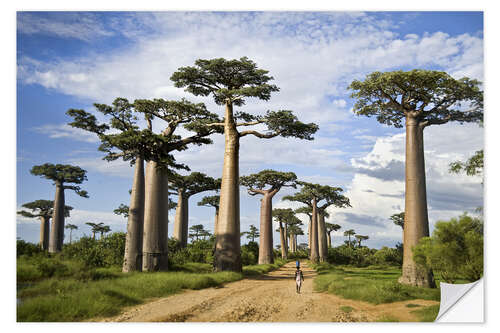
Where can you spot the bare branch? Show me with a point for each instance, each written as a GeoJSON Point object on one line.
{"type": "Point", "coordinates": [260, 135]}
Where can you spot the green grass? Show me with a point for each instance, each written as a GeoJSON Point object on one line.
{"type": "Point", "coordinates": [387, 319]}
{"type": "Point", "coordinates": [411, 305]}
{"type": "Point", "coordinates": [429, 313]}
{"type": "Point", "coordinates": [346, 309]}
{"type": "Point", "coordinates": [373, 284]}
{"type": "Point", "coordinates": [74, 300]}
{"type": "Point", "coordinates": [253, 270]}
{"type": "Point", "coordinates": [104, 292]}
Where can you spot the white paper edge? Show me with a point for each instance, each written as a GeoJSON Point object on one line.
{"type": "Point", "coordinates": [461, 303]}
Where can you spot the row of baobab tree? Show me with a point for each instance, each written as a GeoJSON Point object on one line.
{"type": "Point", "coordinates": [417, 98]}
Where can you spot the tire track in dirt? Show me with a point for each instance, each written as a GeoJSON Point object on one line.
{"type": "Point", "coordinates": [267, 298]}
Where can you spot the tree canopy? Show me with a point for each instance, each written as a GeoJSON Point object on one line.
{"type": "Point", "coordinates": [42, 208]}
{"type": "Point", "coordinates": [62, 173]}
{"type": "Point", "coordinates": [473, 166]}
{"type": "Point", "coordinates": [285, 215]}
{"type": "Point", "coordinates": [210, 201]}
{"type": "Point", "coordinates": [433, 97]}
{"type": "Point", "coordinates": [232, 80]}
{"type": "Point", "coordinates": [133, 142]}
{"type": "Point", "coordinates": [398, 219]}
{"type": "Point", "coordinates": [310, 191]}
{"type": "Point", "coordinates": [332, 227]}
{"type": "Point", "coordinates": [194, 183]}
{"type": "Point", "coordinates": [274, 179]}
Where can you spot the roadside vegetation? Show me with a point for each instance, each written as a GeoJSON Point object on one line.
{"type": "Point", "coordinates": [85, 280]}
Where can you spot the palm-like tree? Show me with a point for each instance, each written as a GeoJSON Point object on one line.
{"type": "Point", "coordinates": [361, 238]}
{"type": "Point", "coordinates": [329, 228]}
{"type": "Point", "coordinates": [253, 233]}
{"type": "Point", "coordinates": [95, 227]}
{"type": "Point", "coordinates": [349, 233]}
{"type": "Point", "coordinates": [71, 227]}
{"type": "Point", "coordinates": [104, 229]}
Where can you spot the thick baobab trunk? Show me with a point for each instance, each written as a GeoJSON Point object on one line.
{"type": "Point", "coordinates": [44, 232]}
{"type": "Point", "coordinates": [284, 254]}
{"type": "Point", "coordinates": [314, 256]}
{"type": "Point", "coordinates": [266, 230]}
{"type": "Point", "coordinates": [416, 221]}
{"type": "Point", "coordinates": [329, 237]}
{"type": "Point", "coordinates": [322, 242]}
{"type": "Point", "coordinates": [154, 248]}
{"type": "Point", "coordinates": [228, 247]}
{"type": "Point", "coordinates": [181, 219]}
{"type": "Point", "coordinates": [57, 230]}
{"type": "Point", "coordinates": [132, 259]}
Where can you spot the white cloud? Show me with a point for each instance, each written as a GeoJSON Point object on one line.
{"type": "Point", "coordinates": [64, 131]}
{"type": "Point", "coordinates": [83, 26]}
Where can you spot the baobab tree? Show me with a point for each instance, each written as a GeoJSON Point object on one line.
{"type": "Point", "coordinates": [95, 227]}
{"type": "Point", "coordinates": [307, 210]}
{"type": "Point", "coordinates": [293, 231]}
{"type": "Point", "coordinates": [104, 229]}
{"type": "Point", "coordinates": [253, 233]}
{"type": "Point", "coordinates": [256, 183]}
{"type": "Point", "coordinates": [349, 233]}
{"type": "Point", "coordinates": [197, 231]}
{"type": "Point", "coordinates": [71, 227]}
{"type": "Point", "coordinates": [230, 82]}
{"type": "Point", "coordinates": [361, 238]}
{"type": "Point", "coordinates": [284, 217]}
{"type": "Point", "coordinates": [472, 167]}
{"type": "Point", "coordinates": [211, 201]}
{"type": "Point", "coordinates": [312, 195]}
{"type": "Point", "coordinates": [185, 187]}
{"type": "Point", "coordinates": [398, 219]}
{"type": "Point", "coordinates": [329, 228]}
{"type": "Point", "coordinates": [60, 174]}
{"type": "Point", "coordinates": [147, 227]}
{"type": "Point", "coordinates": [43, 210]}
{"type": "Point", "coordinates": [421, 98]}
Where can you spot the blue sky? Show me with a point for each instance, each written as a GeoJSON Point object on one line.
{"type": "Point", "coordinates": [71, 60]}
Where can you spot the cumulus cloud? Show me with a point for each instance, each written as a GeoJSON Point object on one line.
{"type": "Point", "coordinates": [64, 131]}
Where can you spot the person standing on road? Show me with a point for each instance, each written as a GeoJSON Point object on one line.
{"type": "Point", "coordinates": [299, 277]}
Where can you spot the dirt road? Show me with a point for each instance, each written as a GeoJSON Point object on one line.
{"type": "Point", "coordinates": [268, 298]}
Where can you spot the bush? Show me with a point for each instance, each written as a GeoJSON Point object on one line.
{"type": "Point", "coordinates": [388, 256]}
{"type": "Point", "coordinates": [26, 248]}
{"type": "Point", "coordinates": [250, 253]}
{"type": "Point", "coordinates": [104, 252]}
{"type": "Point", "coordinates": [455, 249]}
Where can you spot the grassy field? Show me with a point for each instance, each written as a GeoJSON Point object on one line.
{"type": "Point", "coordinates": [374, 284]}
{"type": "Point", "coordinates": [75, 294]}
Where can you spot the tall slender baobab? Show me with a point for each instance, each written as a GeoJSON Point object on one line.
{"type": "Point", "coordinates": [256, 184]}
{"type": "Point", "coordinates": [94, 227]}
{"type": "Point", "coordinates": [349, 233]}
{"type": "Point", "coordinates": [329, 228]}
{"type": "Point", "coordinates": [187, 186]}
{"type": "Point", "coordinates": [61, 174]}
{"type": "Point", "coordinates": [421, 98]}
{"type": "Point", "coordinates": [211, 201]}
{"type": "Point", "coordinates": [312, 195]}
{"type": "Point", "coordinates": [361, 238]}
{"type": "Point", "coordinates": [71, 227]}
{"type": "Point", "coordinates": [145, 246]}
{"type": "Point", "coordinates": [231, 82]}
{"type": "Point", "coordinates": [284, 217]}
{"type": "Point", "coordinates": [293, 231]}
{"type": "Point", "coordinates": [43, 210]}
